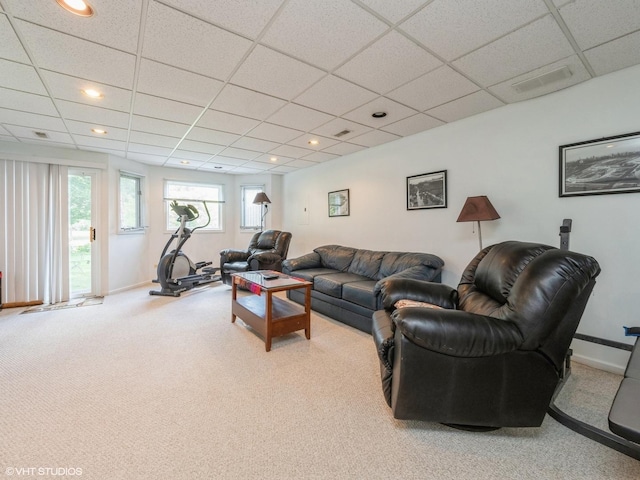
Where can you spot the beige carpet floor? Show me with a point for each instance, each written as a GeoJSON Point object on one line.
{"type": "Point", "coordinates": [145, 387]}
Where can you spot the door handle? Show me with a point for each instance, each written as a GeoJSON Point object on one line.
{"type": "Point", "coordinates": [92, 234]}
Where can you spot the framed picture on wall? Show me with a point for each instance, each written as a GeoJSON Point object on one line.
{"type": "Point", "coordinates": [605, 165]}
{"type": "Point", "coordinates": [339, 203]}
{"type": "Point", "coordinates": [428, 190]}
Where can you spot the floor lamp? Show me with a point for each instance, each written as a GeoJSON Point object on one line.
{"type": "Point", "coordinates": [478, 209]}
{"type": "Point", "coordinates": [262, 199]}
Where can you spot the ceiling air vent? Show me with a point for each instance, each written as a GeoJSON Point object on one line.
{"type": "Point", "coordinates": [542, 80]}
{"type": "Point", "coordinates": [342, 133]}
{"type": "Point", "coordinates": [40, 134]}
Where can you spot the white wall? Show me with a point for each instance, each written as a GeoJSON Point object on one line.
{"type": "Point", "coordinates": [511, 155]}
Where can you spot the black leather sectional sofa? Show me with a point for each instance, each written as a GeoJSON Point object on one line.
{"type": "Point", "coordinates": [347, 281]}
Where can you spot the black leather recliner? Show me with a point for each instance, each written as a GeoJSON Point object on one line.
{"type": "Point", "coordinates": [266, 251]}
{"type": "Point", "coordinates": [495, 352]}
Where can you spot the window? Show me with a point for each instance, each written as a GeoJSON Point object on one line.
{"type": "Point", "coordinates": [201, 196]}
{"type": "Point", "coordinates": [130, 202]}
{"type": "Point", "coordinates": [250, 217]}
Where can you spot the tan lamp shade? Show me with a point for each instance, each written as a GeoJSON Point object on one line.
{"type": "Point", "coordinates": [261, 198]}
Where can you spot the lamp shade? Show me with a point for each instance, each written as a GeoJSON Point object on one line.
{"type": "Point", "coordinates": [477, 209]}
{"type": "Point", "coordinates": [261, 198]}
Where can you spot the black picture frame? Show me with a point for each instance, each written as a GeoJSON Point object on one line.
{"type": "Point", "coordinates": [598, 167]}
{"type": "Point", "coordinates": [339, 203]}
{"type": "Point", "coordinates": [427, 190]}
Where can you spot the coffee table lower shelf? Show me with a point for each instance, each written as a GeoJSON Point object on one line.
{"type": "Point", "coordinates": [282, 318]}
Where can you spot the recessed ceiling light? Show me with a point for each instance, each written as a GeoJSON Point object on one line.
{"type": "Point", "coordinates": [379, 114]}
{"type": "Point", "coordinates": [610, 145]}
{"type": "Point", "coordinates": [217, 167]}
{"type": "Point", "coordinates": [99, 130]}
{"type": "Point", "coordinates": [90, 92]}
{"type": "Point", "coordinates": [274, 159]}
{"type": "Point", "coordinates": [184, 162]}
{"type": "Point", "coordinates": [77, 7]}
{"type": "Point", "coordinates": [313, 142]}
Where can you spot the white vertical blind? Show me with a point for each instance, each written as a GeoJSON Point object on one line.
{"type": "Point", "coordinates": [33, 220]}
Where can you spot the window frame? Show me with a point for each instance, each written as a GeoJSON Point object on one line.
{"type": "Point", "coordinates": [139, 203]}
{"type": "Point", "coordinates": [211, 204]}
{"type": "Point", "coordinates": [258, 189]}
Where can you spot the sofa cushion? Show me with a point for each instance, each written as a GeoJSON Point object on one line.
{"type": "Point", "coordinates": [360, 293]}
{"type": "Point", "coordinates": [336, 256]}
{"type": "Point", "coordinates": [394, 262]}
{"type": "Point", "coordinates": [331, 284]}
{"type": "Point", "coordinates": [366, 263]}
{"type": "Point", "coordinates": [309, 274]}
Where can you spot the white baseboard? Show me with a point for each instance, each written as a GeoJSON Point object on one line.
{"type": "Point", "coordinates": [130, 287]}
{"type": "Point", "coordinates": [599, 364]}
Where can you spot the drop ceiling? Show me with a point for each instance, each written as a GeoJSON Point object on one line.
{"type": "Point", "coordinates": [228, 85]}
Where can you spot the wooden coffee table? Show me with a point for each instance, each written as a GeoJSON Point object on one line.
{"type": "Point", "coordinates": [268, 315]}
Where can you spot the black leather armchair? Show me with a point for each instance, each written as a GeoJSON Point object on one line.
{"type": "Point", "coordinates": [494, 353]}
{"type": "Point", "coordinates": [266, 251]}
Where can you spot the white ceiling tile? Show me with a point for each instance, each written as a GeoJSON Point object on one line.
{"type": "Point", "coordinates": [26, 119]}
{"type": "Point", "coordinates": [299, 117]}
{"type": "Point", "coordinates": [394, 11]}
{"type": "Point", "coordinates": [115, 23]}
{"type": "Point", "coordinates": [212, 136]}
{"type": "Point", "coordinates": [473, 104]}
{"type": "Point", "coordinates": [323, 33]}
{"type": "Point", "coordinates": [247, 17]}
{"type": "Point", "coordinates": [70, 55]}
{"type": "Point", "coordinates": [374, 137]}
{"type": "Point", "coordinates": [616, 54]}
{"type": "Point", "coordinates": [434, 88]}
{"type": "Point", "coordinates": [66, 87]}
{"type": "Point", "coordinates": [255, 144]}
{"type": "Point", "coordinates": [84, 128]}
{"type": "Point", "coordinates": [320, 157]}
{"type": "Point", "coordinates": [273, 73]}
{"type": "Point", "coordinates": [162, 108]}
{"type": "Point", "coordinates": [279, 160]}
{"type": "Point", "coordinates": [394, 112]}
{"type": "Point", "coordinates": [119, 153]}
{"type": "Point", "coordinates": [149, 149]}
{"type": "Point", "coordinates": [99, 142]}
{"type": "Point", "coordinates": [451, 29]}
{"type": "Point", "coordinates": [538, 44]}
{"type": "Point", "coordinates": [7, 138]}
{"type": "Point", "coordinates": [160, 127]}
{"type": "Point", "coordinates": [335, 96]}
{"type": "Point", "coordinates": [257, 166]}
{"type": "Point", "coordinates": [301, 163]}
{"type": "Point", "coordinates": [10, 46]}
{"type": "Point", "coordinates": [245, 102]}
{"type": "Point", "coordinates": [283, 169]}
{"type": "Point", "coordinates": [184, 163]}
{"type": "Point", "coordinates": [344, 148]}
{"type": "Point", "coordinates": [227, 122]}
{"type": "Point", "coordinates": [507, 93]}
{"type": "Point", "coordinates": [146, 158]}
{"type": "Point", "coordinates": [153, 139]}
{"type": "Point", "coordinates": [201, 147]}
{"type": "Point", "coordinates": [176, 84]}
{"type": "Point", "coordinates": [20, 77]}
{"type": "Point", "coordinates": [245, 170]}
{"type": "Point", "coordinates": [188, 155]}
{"type": "Point", "coordinates": [274, 133]}
{"type": "Point", "coordinates": [412, 125]}
{"type": "Point", "coordinates": [87, 113]}
{"type": "Point", "coordinates": [48, 143]}
{"type": "Point", "coordinates": [27, 102]}
{"type": "Point", "coordinates": [216, 167]}
{"type": "Point", "coordinates": [594, 22]}
{"type": "Point", "coordinates": [178, 39]}
{"type": "Point", "coordinates": [222, 160]}
{"type": "Point", "coordinates": [240, 153]}
{"type": "Point", "coordinates": [29, 133]}
{"type": "Point", "coordinates": [388, 63]}
{"type": "Point", "coordinates": [338, 125]}
{"type": "Point", "coordinates": [303, 142]}
{"type": "Point", "coordinates": [290, 151]}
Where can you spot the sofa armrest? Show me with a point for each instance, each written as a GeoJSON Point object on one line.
{"type": "Point", "coordinates": [265, 260]}
{"type": "Point", "coordinates": [394, 289]}
{"type": "Point", "coordinates": [229, 255]}
{"type": "Point", "coordinates": [417, 272]}
{"type": "Point", "coordinates": [457, 333]}
{"type": "Point", "coordinates": [310, 260]}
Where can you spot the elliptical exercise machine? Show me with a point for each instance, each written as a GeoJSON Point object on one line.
{"type": "Point", "coordinates": [176, 273]}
